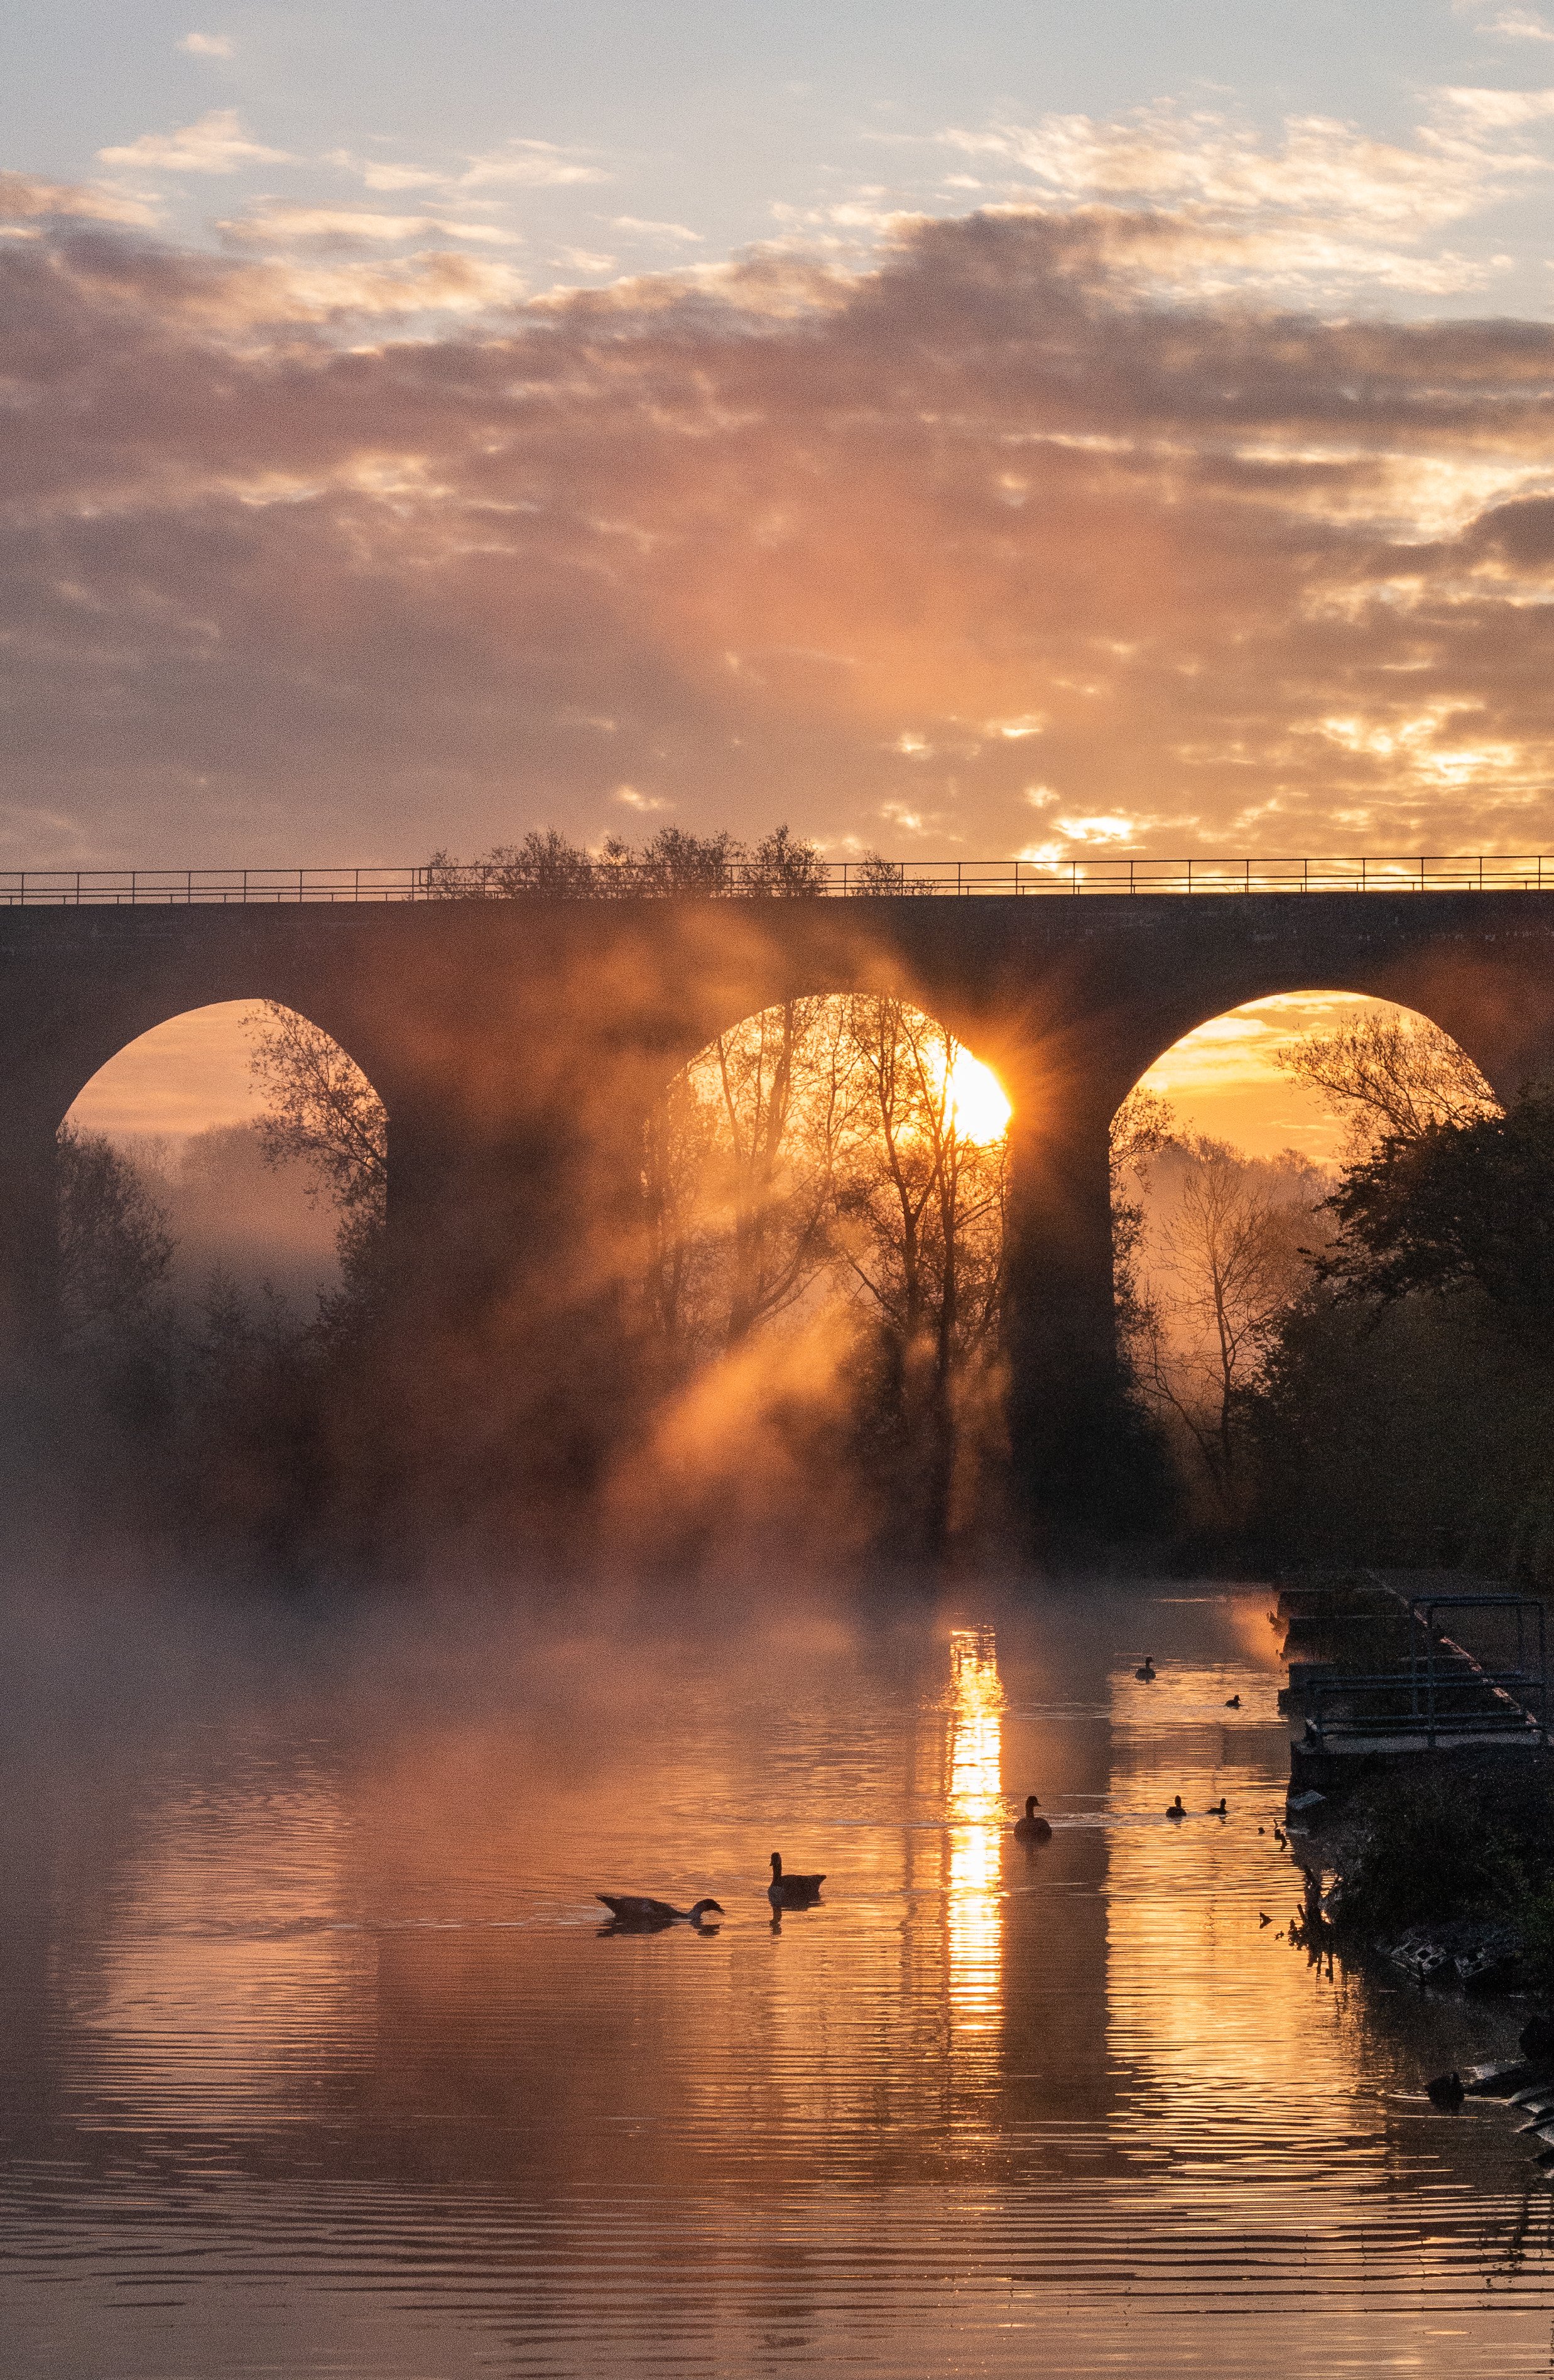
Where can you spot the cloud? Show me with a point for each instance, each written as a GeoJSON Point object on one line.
{"type": "Point", "coordinates": [672, 231]}
{"type": "Point", "coordinates": [585, 260]}
{"type": "Point", "coordinates": [1324, 207]}
{"type": "Point", "coordinates": [217, 144]}
{"type": "Point", "coordinates": [530, 166]}
{"type": "Point", "coordinates": [333, 228]}
{"type": "Point", "coordinates": [1505, 24]}
{"type": "Point", "coordinates": [306, 553]}
{"type": "Point", "coordinates": [21, 196]}
{"type": "Point", "coordinates": [208, 46]}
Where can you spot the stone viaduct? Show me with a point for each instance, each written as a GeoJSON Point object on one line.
{"type": "Point", "coordinates": [518, 1046]}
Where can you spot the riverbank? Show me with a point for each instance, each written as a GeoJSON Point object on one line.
{"type": "Point", "coordinates": [1444, 1866]}
{"type": "Point", "coordinates": [1421, 1776]}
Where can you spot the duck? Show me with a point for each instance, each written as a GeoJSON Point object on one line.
{"type": "Point", "coordinates": [791, 1891]}
{"type": "Point", "coordinates": [1446, 2090]}
{"type": "Point", "coordinates": [1233, 1703]}
{"type": "Point", "coordinates": [1147, 1672]}
{"type": "Point", "coordinates": [639, 1909]}
{"type": "Point", "coordinates": [1030, 1828]}
{"type": "Point", "coordinates": [1176, 1810]}
{"type": "Point", "coordinates": [1217, 1809]}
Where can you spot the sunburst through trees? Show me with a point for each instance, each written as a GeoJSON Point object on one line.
{"type": "Point", "coordinates": [846, 1156]}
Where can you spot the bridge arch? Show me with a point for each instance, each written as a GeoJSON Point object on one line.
{"type": "Point", "coordinates": [172, 1128]}
{"type": "Point", "coordinates": [63, 1065]}
{"type": "Point", "coordinates": [1222, 1156]}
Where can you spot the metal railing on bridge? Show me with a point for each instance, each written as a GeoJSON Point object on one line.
{"type": "Point", "coordinates": [44, 888]}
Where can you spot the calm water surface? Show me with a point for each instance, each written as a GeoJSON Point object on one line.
{"type": "Point", "coordinates": [315, 2060]}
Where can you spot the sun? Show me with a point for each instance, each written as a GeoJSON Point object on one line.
{"type": "Point", "coordinates": [981, 1111]}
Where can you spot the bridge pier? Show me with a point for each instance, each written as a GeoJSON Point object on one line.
{"type": "Point", "coordinates": [29, 1236]}
{"type": "Point", "coordinates": [506, 1382]}
{"type": "Point", "coordinates": [1073, 1444]}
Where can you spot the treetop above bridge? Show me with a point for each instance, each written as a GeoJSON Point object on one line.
{"type": "Point", "coordinates": [871, 878]}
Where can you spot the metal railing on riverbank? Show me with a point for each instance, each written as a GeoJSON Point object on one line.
{"type": "Point", "coordinates": [44, 888]}
{"type": "Point", "coordinates": [1443, 1692]}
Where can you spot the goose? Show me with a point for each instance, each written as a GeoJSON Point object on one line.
{"type": "Point", "coordinates": [1217, 1809]}
{"type": "Point", "coordinates": [1030, 1828]}
{"type": "Point", "coordinates": [638, 1909]}
{"type": "Point", "coordinates": [1148, 1672]}
{"type": "Point", "coordinates": [791, 1891]}
{"type": "Point", "coordinates": [1176, 1810]}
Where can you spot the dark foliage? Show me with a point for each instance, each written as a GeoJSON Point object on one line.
{"type": "Point", "coordinates": [114, 1241]}
{"type": "Point", "coordinates": [546, 866]}
{"type": "Point", "coordinates": [1460, 1204]}
{"type": "Point", "coordinates": [1417, 1434]}
{"type": "Point", "coordinates": [1441, 1844]}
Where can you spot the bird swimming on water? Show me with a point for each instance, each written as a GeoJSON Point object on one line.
{"type": "Point", "coordinates": [1176, 1810]}
{"type": "Point", "coordinates": [1234, 1703]}
{"type": "Point", "coordinates": [1147, 1672]}
{"type": "Point", "coordinates": [639, 1909]}
{"type": "Point", "coordinates": [791, 1891]}
{"type": "Point", "coordinates": [1217, 1809]}
{"type": "Point", "coordinates": [1032, 1829]}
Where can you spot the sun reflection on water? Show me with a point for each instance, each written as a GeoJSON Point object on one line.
{"type": "Point", "coordinates": [975, 1821]}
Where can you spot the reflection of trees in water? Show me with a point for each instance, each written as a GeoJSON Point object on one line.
{"type": "Point", "coordinates": [840, 1153]}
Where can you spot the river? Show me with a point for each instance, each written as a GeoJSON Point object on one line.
{"type": "Point", "coordinates": [315, 2060]}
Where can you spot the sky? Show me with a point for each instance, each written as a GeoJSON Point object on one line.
{"type": "Point", "coordinates": [959, 433]}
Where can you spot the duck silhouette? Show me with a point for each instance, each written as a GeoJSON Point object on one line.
{"type": "Point", "coordinates": [1446, 2090]}
{"type": "Point", "coordinates": [791, 1891]}
{"type": "Point", "coordinates": [1176, 1810]}
{"type": "Point", "coordinates": [1217, 1809]}
{"type": "Point", "coordinates": [1032, 1829]}
{"type": "Point", "coordinates": [1234, 1703]}
{"type": "Point", "coordinates": [1146, 1671]}
{"type": "Point", "coordinates": [636, 1909]}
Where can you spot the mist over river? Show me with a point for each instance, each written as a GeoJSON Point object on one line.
{"type": "Point", "coordinates": [314, 2060]}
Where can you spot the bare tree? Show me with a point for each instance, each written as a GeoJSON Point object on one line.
{"type": "Point", "coordinates": [543, 864]}
{"type": "Point", "coordinates": [1227, 1260]}
{"type": "Point", "coordinates": [738, 1168]}
{"type": "Point", "coordinates": [322, 1111]}
{"type": "Point", "coordinates": [920, 1207]}
{"type": "Point", "coordinates": [114, 1246]}
{"type": "Point", "coordinates": [1389, 1076]}
{"type": "Point", "coordinates": [547, 866]}
{"type": "Point", "coordinates": [1142, 1128]}
{"type": "Point", "coordinates": [816, 1148]}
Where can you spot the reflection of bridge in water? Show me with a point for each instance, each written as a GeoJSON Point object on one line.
{"type": "Point", "coordinates": [519, 1045]}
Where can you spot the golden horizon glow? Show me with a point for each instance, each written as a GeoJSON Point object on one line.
{"type": "Point", "coordinates": [1223, 1081]}
{"type": "Point", "coordinates": [977, 1820]}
